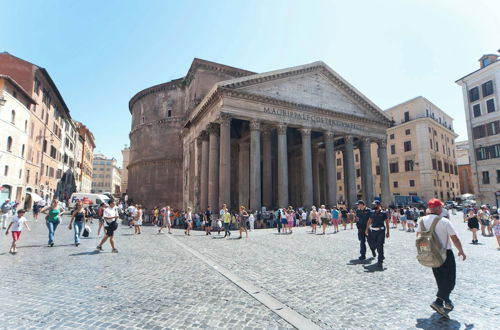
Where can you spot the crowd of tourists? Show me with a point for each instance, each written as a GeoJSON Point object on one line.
{"type": "Point", "coordinates": [435, 233]}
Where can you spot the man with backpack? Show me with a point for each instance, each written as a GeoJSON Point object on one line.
{"type": "Point", "coordinates": [434, 236]}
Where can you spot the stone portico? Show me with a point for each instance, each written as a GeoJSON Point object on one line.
{"type": "Point", "coordinates": [271, 140]}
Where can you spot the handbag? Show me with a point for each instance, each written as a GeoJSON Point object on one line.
{"type": "Point", "coordinates": [86, 231]}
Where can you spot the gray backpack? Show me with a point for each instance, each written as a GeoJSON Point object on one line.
{"type": "Point", "coordinates": [429, 250]}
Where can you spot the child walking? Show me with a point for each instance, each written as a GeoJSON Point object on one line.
{"type": "Point", "coordinates": [16, 223]}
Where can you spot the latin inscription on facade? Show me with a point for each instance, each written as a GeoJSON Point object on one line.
{"type": "Point", "coordinates": [312, 119]}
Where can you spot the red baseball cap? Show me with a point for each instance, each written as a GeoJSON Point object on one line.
{"type": "Point", "coordinates": [434, 202]}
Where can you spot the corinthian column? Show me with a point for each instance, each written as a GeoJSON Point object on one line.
{"type": "Point", "coordinates": [282, 166]}
{"type": "Point", "coordinates": [213, 166]}
{"type": "Point", "coordinates": [243, 173]}
{"type": "Point", "coordinates": [384, 173]}
{"type": "Point", "coordinates": [307, 175]}
{"type": "Point", "coordinates": [204, 171]}
{"type": "Point", "coordinates": [350, 172]}
{"type": "Point", "coordinates": [255, 177]}
{"type": "Point", "coordinates": [331, 170]}
{"type": "Point", "coordinates": [366, 169]}
{"type": "Point", "coordinates": [267, 170]}
{"type": "Point", "coordinates": [225, 160]}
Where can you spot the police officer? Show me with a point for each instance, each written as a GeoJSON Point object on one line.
{"type": "Point", "coordinates": [377, 229]}
{"type": "Point", "coordinates": [362, 216]}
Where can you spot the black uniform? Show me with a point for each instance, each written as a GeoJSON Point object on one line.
{"type": "Point", "coordinates": [362, 216]}
{"type": "Point", "coordinates": [376, 233]}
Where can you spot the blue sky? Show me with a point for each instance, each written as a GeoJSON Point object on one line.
{"type": "Point", "coordinates": [100, 53]}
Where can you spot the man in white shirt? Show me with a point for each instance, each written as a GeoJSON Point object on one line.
{"type": "Point", "coordinates": [110, 215]}
{"type": "Point", "coordinates": [445, 275]}
{"type": "Point", "coordinates": [166, 223]}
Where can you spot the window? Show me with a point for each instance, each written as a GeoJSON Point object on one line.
{"type": "Point", "coordinates": [6, 170]}
{"type": "Point", "coordinates": [412, 183]}
{"type": "Point", "coordinates": [22, 151]}
{"type": "Point", "coordinates": [498, 176]}
{"type": "Point", "coordinates": [437, 147]}
{"type": "Point", "coordinates": [169, 113]}
{"type": "Point", "coordinates": [395, 184]}
{"type": "Point", "coordinates": [487, 88]}
{"type": "Point", "coordinates": [393, 149]}
{"type": "Point", "coordinates": [440, 166]}
{"type": "Point", "coordinates": [486, 177]}
{"type": "Point", "coordinates": [407, 132]}
{"type": "Point", "coordinates": [358, 172]}
{"type": "Point", "coordinates": [339, 176]}
{"type": "Point", "coordinates": [37, 86]}
{"type": "Point", "coordinates": [408, 165]}
{"type": "Point", "coordinates": [9, 144]}
{"type": "Point", "coordinates": [394, 167]}
{"type": "Point", "coordinates": [490, 105]}
{"type": "Point", "coordinates": [481, 153]}
{"type": "Point", "coordinates": [13, 117]}
{"type": "Point", "coordinates": [407, 116]}
{"type": "Point", "coordinates": [446, 168]}
{"type": "Point", "coordinates": [377, 170]}
{"type": "Point", "coordinates": [356, 157]}
{"type": "Point", "coordinates": [339, 161]}
{"type": "Point", "coordinates": [434, 165]}
{"type": "Point", "coordinates": [477, 110]}
{"type": "Point", "coordinates": [26, 126]}
{"type": "Point", "coordinates": [431, 143]}
{"type": "Point", "coordinates": [391, 137]}
{"type": "Point", "coordinates": [407, 146]}
{"type": "Point", "coordinates": [44, 146]}
{"type": "Point", "coordinates": [474, 94]}
{"type": "Point", "coordinates": [53, 152]}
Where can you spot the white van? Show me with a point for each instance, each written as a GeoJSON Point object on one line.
{"type": "Point", "coordinates": [95, 199]}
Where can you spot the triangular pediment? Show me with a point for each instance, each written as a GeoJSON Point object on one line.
{"type": "Point", "coordinates": [314, 85]}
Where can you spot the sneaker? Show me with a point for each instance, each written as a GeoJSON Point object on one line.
{"type": "Point", "coordinates": [98, 248]}
{"type": "Point", "coordinates": [361, 258]}
{"type": "Point", "coordinates": [448, 306]}
{"type": "Point", "coordinates": [114, 251]}
{"type": "Point", "coordinates": [380, 265]}
{"type": "Point", "coordinates": [439, 309]}
{"type": "Point", "coordinates": [51, 244]}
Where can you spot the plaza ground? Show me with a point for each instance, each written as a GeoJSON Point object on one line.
{"type": "Point", "coordinates": [175, 281]}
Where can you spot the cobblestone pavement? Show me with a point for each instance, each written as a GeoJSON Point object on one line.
{"type": "Point", "coordinates": [153, 283]}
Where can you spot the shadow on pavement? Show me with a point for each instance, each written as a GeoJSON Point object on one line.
{"type": "Point", "coordinates": [43, 245]}
{"type": "Point", "coordinates": [373, 268]}
{"type": "Point", "coordinates": [437, 321]}
{"type": "Point", "coordinates": [360, 262]}
{"type": "Point", "coordinates": [88, 253]}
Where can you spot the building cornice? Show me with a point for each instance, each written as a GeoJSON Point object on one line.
{"type": "Point", "coordinates": [168, 86]}
{"type": "Point", "coordinates": [423, 119]}
{"type": "Point", "coordinates": [157, 123]}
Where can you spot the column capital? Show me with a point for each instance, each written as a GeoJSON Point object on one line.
{"type": "Point", "coordinates": [382, 144]}
{"type": "Point", "coordinates": [203, 135]}
{"type": "Point", "coordinates": [255, 125]}
{"type": "Point", "coordinates": [329, 135]}
{"type": "Point", "coordinates": [349, 139]}
{"type": "Point", "coordinates": [213, 128]}
{"type": "Point", "coordinates": [365, 142]}
{"type": "Point", "coordinates": [305, 132]}
{"type": "Point", "coordinates": [224, 119]}
{"type": "Point", "coordinates": [267, 131]}
{"type": "Point", "coordinates": [281, 128]}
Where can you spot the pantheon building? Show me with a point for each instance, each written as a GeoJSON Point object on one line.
{"type": "Point", "coordinates": [223, 135]}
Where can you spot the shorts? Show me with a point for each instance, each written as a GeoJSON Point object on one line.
{"type": "Point", "coordinates": [335, 222]}
{"type": "Point", "coordinates": [403, 218]}
{"type": "Point", "coordinates": [110, 229]}
{"type": "Point", "coordinates": [284, 221]}
{"type": "Point", "coordinates": [101, 220]}
{"type": "Point", "coordinates": [314, 221]}
{"type": "Point", "coordinates": [16, 235]}
{"type": "Point", "coordinates": [496, 230]}
{"type": "Point", "coordinates": [485, 222]}
{"type": "Point", "coordinates": [324, 221]}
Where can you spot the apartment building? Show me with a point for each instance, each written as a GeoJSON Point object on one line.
{"type": "Point", "coordinates": [106, 175]}
{"type": "Point", "coordinates": [480, 95]}
{"type": "Point", "coordinates": [15, 103]}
